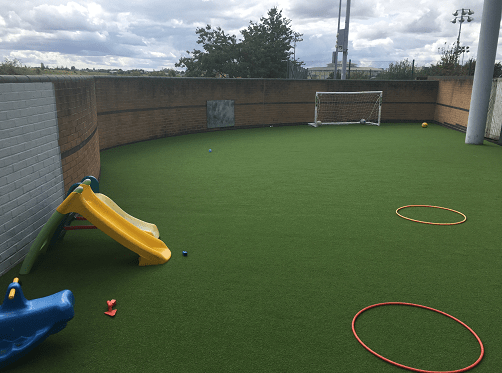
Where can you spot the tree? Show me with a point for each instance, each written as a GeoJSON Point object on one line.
{"type": "Point", "coordinates": [14, 67]}
{"type": "Point", "coordinates": [448, 63]}
{"type": "Point", "coordinates": [164, 72]}
{"type": "Point", "coordinates": [267, 45]}
{"type": "Point", "coordinates": [218, 57]}
{"type": "Point", "coordinates": [399, 70]}
{"type": "Point", "coordinates": [262, 53]}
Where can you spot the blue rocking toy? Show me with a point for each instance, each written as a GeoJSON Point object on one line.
{"type": "Point", "coordinates": [24, 324]}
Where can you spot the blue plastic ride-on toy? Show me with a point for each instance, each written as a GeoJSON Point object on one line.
{"type": "Point", "coordinates": [24, 324]}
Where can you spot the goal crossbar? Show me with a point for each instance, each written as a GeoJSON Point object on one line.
{"type": "Point", "coordinates": [341, 108]}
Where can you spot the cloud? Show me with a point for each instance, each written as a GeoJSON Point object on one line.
{"type": "Point", "coordinates": [155, 33]}
{"type": "Point", "coordinates": [427, 23]}
{"type": "Point", "coordinates": [376, 43]}
{"type": "Point", "coordinates": [71, 16]}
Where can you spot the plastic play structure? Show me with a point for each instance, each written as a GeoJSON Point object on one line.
{"type": "Point", "coordinates": [136, 235]}
{"type": "Point", "coordinates": [24, 324]}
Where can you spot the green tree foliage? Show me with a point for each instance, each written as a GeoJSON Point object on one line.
{"type": "Point", "coordinates": [219, 54]}
{"type": "Point", "coordinates": [448, 64]}
{"type": "Point", "coordinates": [164, 72]}
{"type": "Point", "coordinates": [266, 46]}
{"type": "Point", "coordinates": [360, 75]}
{"type": "Point", "coordinates": [401, 70]}
{"type": "Point", "coordinates": [263, 51]}
{"type": "Point", "coordinates": [14, 67]}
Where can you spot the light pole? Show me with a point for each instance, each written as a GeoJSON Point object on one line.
{"type": "Point", "coordinates": [463, 50]}
{"type": "Point", "coordinates": [342, 41]}
{"type": "Point", "coordinates": [462, 15]}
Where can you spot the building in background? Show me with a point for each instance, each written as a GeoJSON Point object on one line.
{"type": "Point", "coordinates": [364, 72]}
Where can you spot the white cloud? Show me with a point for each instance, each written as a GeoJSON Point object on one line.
{"type": "Point", "coordinates": [71, 16]}
{"type": "Point", "coordinates": [153, 34]}
{"type": "Point", "coordinates": [376, 43]}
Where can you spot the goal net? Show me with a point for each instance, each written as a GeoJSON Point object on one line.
{"type": "Point", "coordinates": [347, 108]}
{"type": "Point", "coordinates": [494, 116]}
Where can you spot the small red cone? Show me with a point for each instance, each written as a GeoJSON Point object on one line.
{"type": "Point", "coordinates": [111, 303]}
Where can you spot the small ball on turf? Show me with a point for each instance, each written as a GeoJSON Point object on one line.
{"type": "Point", "coordinates": [362, 121]}
{"type": "Point", "coordinates": [318, 123]}
{"type": "Point", "coordinates": [210, 150]}
{"type": "Point", "coordinates": [185, 253]}
{"type": "Point", "coordinates": [424, 125]}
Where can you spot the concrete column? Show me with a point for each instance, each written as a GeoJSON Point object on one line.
{"type": "Point", "coordinates": [487, 49]}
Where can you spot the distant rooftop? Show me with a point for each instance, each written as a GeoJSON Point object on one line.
{"type": "Point", "coordinates": [324, 72]}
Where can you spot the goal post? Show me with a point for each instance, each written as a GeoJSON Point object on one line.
{"type": "Point", "coordinates": [493, 128]}
{"type": "Point", "coordinates": [340, 108]}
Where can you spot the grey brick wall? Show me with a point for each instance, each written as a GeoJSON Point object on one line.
{"type": "Point", "coordinates": [31, 177]}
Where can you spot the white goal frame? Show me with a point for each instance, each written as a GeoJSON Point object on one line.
{"type": "Point", "coordinates": [493, 127]}
{"type": "Point", "coordinates": [363, 107]}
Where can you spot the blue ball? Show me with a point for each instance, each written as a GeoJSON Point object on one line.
{"type": "Point", "coordinates": [210, 150]}
{"type": "Point", "coordinates": [185, 253]}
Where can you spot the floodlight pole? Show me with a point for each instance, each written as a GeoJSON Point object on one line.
{"type": "Point", "coordinates": [483, 75]}
{"type": "Point", "coordinates": [346, 41]}
{"type": "Point", "coordinates": [335, 53]}
{"type": "Point", "coordinates": [463, 13]}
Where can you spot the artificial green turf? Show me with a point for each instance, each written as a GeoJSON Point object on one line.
{"type": "Point", "coordinates": [290, 231]}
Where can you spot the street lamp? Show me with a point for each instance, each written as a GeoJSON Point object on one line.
{"type": "Point", "coordinates": [462, 15]}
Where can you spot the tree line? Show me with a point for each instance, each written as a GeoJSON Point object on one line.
{"type": "Point", "coordinates": [263, 51]}
{"type": "Point", "coordinates": [449, 64]}
{"type": "Point", "coordinates": [15, 67]}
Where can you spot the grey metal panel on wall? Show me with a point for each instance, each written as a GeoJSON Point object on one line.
{"type": "Point", "coordinates": [220, 113]}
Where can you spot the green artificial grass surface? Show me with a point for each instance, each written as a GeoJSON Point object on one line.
{"type": "Point", "coordinates": [290, 231]}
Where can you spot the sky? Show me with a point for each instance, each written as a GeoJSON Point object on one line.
{"type": "Point", "coordinates": [154, 34]}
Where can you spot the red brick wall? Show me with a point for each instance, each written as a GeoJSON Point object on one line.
{"type": "Point", "coordinates": [96, 113]}
{"type": "Point", "coordinates": [453, 100]}
{"type": "Point", "coordinates": [78, 128]}
{"type": "Point", "coordinates": [137, 109]}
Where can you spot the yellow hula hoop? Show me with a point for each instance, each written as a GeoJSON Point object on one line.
{"type": "Point", "coordinates": [428, 222]}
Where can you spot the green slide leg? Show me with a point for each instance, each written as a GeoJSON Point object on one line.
{"type": "Point", "coordinates": [41, 242]}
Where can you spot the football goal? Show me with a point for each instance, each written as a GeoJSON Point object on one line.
{"type": "Point", "coordinates": [493, 120]}
{"type": "Point", "coordinates": [347, 108]}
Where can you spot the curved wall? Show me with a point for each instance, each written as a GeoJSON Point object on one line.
{"type": "Point", "coordinates": [78, 129]}
{"type": "Point", "coordinates": [49, 139]}
{"type": "Point", "coordinates": [93, 113]}
{"type": "Point", "coordinates": [135, 109]}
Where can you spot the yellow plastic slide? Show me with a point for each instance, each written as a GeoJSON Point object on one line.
{"type": "Point", "coordinates": [143, 225]}
{"type": "Point", "coordinates": [136, 235]}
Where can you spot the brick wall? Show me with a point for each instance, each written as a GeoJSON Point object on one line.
{"type": "Point", "coordinates": [52, 128]}
{"type": "Point", "coordinates": [78, 128]}
{"type": "Point", "coordinates": [141, 108]}
{"type": "Point", "coordinates": [49, 140]}
{"type": "Point", "coordinates": [31, 178]}
{"type": "Point", "coordinates": [453, 101]}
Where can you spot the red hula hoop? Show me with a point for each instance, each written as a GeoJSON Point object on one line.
{"type": "Point", "coordinates": [428, 222]}
{"type": "Point", "coordinates": [410, 368]}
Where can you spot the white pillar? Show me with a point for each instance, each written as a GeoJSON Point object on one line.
{"type": "Point", "coordinates": [481, 88]}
